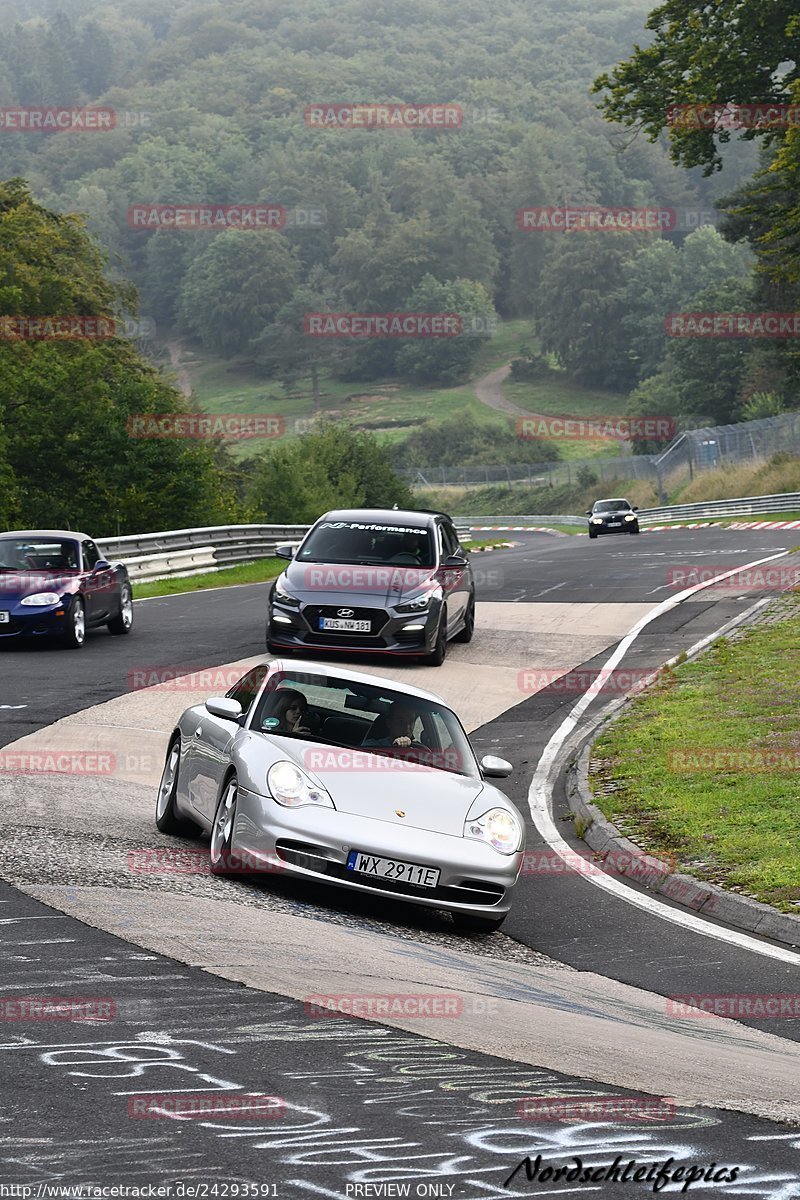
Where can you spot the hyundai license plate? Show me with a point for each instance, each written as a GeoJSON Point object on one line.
{"type": "Point", "coordinates": [344, 625]}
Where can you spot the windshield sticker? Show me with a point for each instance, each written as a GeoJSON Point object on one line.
{"type": "Point", "coordinates": [378, 528]}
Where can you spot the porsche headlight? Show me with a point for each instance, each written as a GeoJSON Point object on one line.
{"type": "Point", "coordinates": [499, 828]}
{"type": "Point", "coordinates": [292, 788]}
{"type": "Point", "coordinates": [597, 521]}
{"type": "Point", "coordinates": [41, 600]}
{"type": "Point", "coordinates": [630, 516]}
{"type": "Point", "coordinates": [284, 597]}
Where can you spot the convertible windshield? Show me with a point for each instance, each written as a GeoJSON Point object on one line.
{"type": "Point", "coordinates": [363, 719]}
{"type": "Point", "coordinates": [611, 506]}
{"type": "Point", "coordinates": [356, 542]}
{"type": "Point", "coordinates": [38, 554]}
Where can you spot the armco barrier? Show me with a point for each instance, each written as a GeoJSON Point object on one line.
{"type": "Point", "coordinates": [179, 552]}
{"type": "Point", "coordinates": [184, 552]}
{"type": "Point", "coordinates": [741, 506]}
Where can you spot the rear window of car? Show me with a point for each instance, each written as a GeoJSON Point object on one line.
{"type": "Point", "coordinates": [358, 542]}
{"type": "Point", "coordinates": [38, 554]}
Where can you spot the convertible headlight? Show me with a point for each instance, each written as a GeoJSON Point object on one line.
{"type": "Point", "coordinates": [283, 597]}
{"type": "Point", "coordinates": [630, 516]}
{"type": "Point", "coordinates": [499, 828]}
{"type": "Point", "coordinates": [41, 600]}
{"type": "Point", "coordinates": [415, 606]}
{"type": "Point", "coordinates": [293, 788]}
{"type": "Point", "coordinates": [597, 521]}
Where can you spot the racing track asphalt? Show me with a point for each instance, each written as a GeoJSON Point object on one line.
{"type": "Point", "coordinates": [563, 916]}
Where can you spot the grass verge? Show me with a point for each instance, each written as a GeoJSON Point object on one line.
{"type": "Point", "coordinates": [253, 572]}
{"type": "Point", "coordinates": [706, 766]}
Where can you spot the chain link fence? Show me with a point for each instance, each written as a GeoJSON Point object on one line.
{"type": "Point", "coordinates": [691, 451]}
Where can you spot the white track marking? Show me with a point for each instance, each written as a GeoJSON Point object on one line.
{"type": "Point", "coordinates": [540, 791]}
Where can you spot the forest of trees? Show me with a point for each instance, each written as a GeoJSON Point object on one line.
{"type": "Point", "coordinates": [210, 102]}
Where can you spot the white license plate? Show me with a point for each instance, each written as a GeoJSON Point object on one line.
{"type": "Point", "coordinates": [614, 524]}
{"type": "Point", "coordinates": [5, 618]}
{"type": "Point", "coordinates": [392, 868]}
{"type": "Point", "coordinates": [345, 624]}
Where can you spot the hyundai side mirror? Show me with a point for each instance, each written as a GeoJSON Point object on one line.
{"type": "Point", "coordinates": [286, 550]}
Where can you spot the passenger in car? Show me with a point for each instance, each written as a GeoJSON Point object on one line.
{"type": "Point", "coordinates": [291, 710]}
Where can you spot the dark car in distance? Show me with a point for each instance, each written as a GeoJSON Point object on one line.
{"type": "Point", "coordinates": [54, 583]}
{"type": "Point", "coordinates": [388, 581]}
{"type": "Point", "coordinates": [612, 516]}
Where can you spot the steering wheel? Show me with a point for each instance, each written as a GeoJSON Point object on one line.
{"type": "Point", "coordinates": [404, 559]}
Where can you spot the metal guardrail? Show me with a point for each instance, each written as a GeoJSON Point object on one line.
{"type": "Point", "coordinates": [741, 506]}
{"type": "Point", "coordinates": [534, 519]}
{"type": "Point", "coordinates": [182, 552]}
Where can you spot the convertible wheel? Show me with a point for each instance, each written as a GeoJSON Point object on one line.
{"type": "Point", "coordinates": [223, 861]}
{"type": "Point", "coordinates": [124, 622]}
{"type": "Point", "coordinates": [439, 652]}
{"type": "Point", "coordinates": [75, 633]}
{"type": "Point", "coordinates": [167, 819]}
{"type": "Point", "coordinates": [473, 924]}
{"type": "Point", "coordinates": [469, 623]}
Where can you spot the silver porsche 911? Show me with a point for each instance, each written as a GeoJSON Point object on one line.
{"type": "Point", "coordinates": [342, 778]}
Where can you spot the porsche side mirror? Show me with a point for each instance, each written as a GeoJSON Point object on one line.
{"type": "Point", "coordinates": [495, 768]}
{"type": "Point", "coordinates": [224, 707]}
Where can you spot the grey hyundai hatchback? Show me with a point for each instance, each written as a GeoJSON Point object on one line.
{"type": "Point", "coordinates": [375, 581]}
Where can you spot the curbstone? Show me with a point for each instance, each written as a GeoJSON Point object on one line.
{"type": "Point", "coordinates": [637, 865]}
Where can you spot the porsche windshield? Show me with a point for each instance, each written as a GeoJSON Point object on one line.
{"type": "Point", "coordinates": [356, 542]}
{"type": "Point", "coordinates": [364, 720]}
{"type": "Point", "coordinates": [38, 554]}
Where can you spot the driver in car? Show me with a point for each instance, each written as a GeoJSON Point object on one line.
{"type": "Point", "coordinates": [410, 547]}
{"type": "Point", "coordinates": [393, 728]}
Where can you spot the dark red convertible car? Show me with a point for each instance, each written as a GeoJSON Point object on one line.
{"type": "Point", "coordinates": [54, 583]}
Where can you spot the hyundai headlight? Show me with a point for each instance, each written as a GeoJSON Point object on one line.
{"type": "Point", "coordinates": [417, 605]}
{"type": "Point", "coordinates": [499, 828]}
{"type": "Point", "coordinates": [292, 788]}
{"type": "Point", "coordinates": [41, 600]}
{"type": "Point", "coordinates": [284, 597]}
